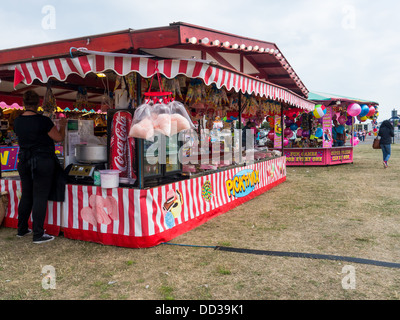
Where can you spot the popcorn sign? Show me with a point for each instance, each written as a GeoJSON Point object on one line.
{"type": "Point", "coordinates": [9, 158]}
{"type": "Point", "coordinates": [243, 183]}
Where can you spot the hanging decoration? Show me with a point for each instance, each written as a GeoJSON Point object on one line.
{"type": "Point", "coordinates": [131, 83]}
{"type": "Point", "coordinates": [49, 105]}
{"type": "Point", "coordinates": [250, 106]}
{"type": "Point", "coordinates": [196, 91]}
{"type": "Point", "coordinates": [215, 97]}
{"type": "Point", "coordinates": [173, 86]}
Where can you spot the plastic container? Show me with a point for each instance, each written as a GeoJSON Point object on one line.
{"type": "Point", "coordinates": [96, 178]}
{"type": "Point", "coordinates": [109, 178]}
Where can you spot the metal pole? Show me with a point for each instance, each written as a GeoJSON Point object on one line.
{"type": "Point", "coordinates": [240, 127]}
{"type": "Point", "coordinates": [282, 129]}
{"type": "Point", "coordinates": [140, 142]}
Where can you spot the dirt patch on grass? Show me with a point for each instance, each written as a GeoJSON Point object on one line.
{"type": "Point", "coordinates": [350, 210]}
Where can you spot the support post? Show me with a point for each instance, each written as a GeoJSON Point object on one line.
{"type": "Point", "coordinates": [282, 129]}
{"type": "Point", "coordinates": [140, 142]}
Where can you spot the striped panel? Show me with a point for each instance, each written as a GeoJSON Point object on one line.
{"type": "Point", "coordinates": [61, 68]}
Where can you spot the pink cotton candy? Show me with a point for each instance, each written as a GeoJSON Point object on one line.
{"type": "Point", "coordinates": [142, 130]}
{"type": "Point", "coordinates": [162, 124]}
{"type": "Point", "coordinates": [178, 123]}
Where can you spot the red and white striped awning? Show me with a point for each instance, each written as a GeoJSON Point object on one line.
{"type": "Point", "coordinates": [61, 68]}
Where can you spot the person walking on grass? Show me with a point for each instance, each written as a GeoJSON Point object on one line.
{"type": "Point", "coordinates": [386, 132]}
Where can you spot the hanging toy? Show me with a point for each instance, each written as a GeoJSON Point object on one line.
{"type": "Point", "coordinates": [49, 102]}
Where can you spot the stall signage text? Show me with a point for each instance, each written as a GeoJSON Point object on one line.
{"type": "Point", "coordinates": [338, 155]}
{"type": "Point", "coordinates": [307, 156]}
{"type": "Point", "coordinates": [9, 158]}
{"type": "Point", "coordinates": [243, 183]}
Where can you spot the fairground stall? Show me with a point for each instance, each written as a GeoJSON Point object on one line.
{"type": "Point", "coordinates": [313, 138]}
{"type": "Point", "coordinates": [165, 107]}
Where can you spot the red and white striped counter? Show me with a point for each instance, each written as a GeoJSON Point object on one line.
{"type": "Point", "coordinates": [54, 209]}
{"type": "Point", "coordinates": [144, 218]}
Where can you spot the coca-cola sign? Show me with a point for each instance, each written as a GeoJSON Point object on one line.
{"type": "Point", "coordinates": [120, 143]}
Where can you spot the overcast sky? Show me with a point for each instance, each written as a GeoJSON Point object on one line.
{"type": "Point", "coordinates": [344, 47]}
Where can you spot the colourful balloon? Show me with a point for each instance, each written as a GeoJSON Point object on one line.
{"type": "Point", "coordinates": [319, 132]}
{"type": "Point", "coordinates": [354, 110]}
{"type": "Point", "coordinates": [288, 122]}
{"type": "Point", "coordinates": [271, 135]}
{"type": "Point", "coordinates": [355, 141]}
{"type": "Point", "coordinates": [362, 119]}
{"type": "Point", "coordinates": [287, 131]}
{"type": "Point", "coordinates": [319, 111]}
{"type": "Point", "coordinates": [342, 120]}
{"type": "Point", "coordinates": [306, 134]}
{"type": "Point", "coordinates": [294, 127]}
{"type": "Point", "coordinates": [286, 142]}
{"type": "Point", "coordinates": [371, 112]}
{"type": "Point", "coordinates": [364, 111]}
{"type": "Point", "coordinates": [299, 133]}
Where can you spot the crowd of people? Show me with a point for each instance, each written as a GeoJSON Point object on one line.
{"type": "Point", "coordinates": [361, 134]}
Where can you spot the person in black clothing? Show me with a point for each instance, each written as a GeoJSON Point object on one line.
{"type": "Point", "coordinates": [36, 135]}
{"type": "Point", "coordinates": [249, 125]}
{"type": "Point", "coordinates": [386, 132]}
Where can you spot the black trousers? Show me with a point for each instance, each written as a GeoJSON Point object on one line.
{"type": "Point", "coordinates": [36, 181]}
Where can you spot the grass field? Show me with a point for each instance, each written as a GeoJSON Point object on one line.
{"type": "Point", "coordinates": [350, 210]}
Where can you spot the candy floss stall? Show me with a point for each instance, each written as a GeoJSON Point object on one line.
{"type": "Point", "coordinates": [308, 137]}
{"type": "Point", "coordinates": [162, 89]}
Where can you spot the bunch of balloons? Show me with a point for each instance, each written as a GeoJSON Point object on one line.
{"type": "Point", "coordinates": [363, 112]}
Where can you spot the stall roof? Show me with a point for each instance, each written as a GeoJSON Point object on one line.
{"type": "Point", "coordinates": [245, 64]}
{"type": "Point", "coordinates": [321, 97]}
{"type": "Point", "coordinates": [253, 57]}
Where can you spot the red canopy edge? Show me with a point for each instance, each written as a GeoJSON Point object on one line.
{"type": "Point", "coordinates": [61, 68]}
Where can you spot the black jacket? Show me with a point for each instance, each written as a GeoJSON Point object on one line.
{"type": "Point", "coordinates": [386, 132]}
